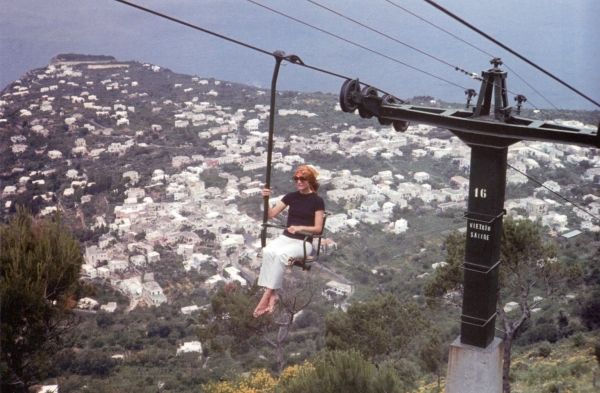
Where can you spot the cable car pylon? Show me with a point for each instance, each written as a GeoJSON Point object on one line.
{"type": "Point", "coordinates": [488, 129]}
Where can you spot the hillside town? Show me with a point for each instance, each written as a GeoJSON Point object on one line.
{"type": "Point", "coordinates": [108, 112]}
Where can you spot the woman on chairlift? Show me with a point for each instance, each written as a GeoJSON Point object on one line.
{"type": "Point", "coordinates": [306, 216]}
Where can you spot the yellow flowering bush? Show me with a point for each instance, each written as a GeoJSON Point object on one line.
{"type": "Point", "coordinates": [294, 371]}
{"type": "Point", "coordinates": [258, 381]}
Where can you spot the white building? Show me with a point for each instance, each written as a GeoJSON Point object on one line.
{"type": "Point", "coordinates": [87, 303]}
{"type": "Point", "coordinates": [181, 123]}
{"type": "Point", "coordinates": [438, 265]}
{"type": "Point", "coordinates": [133, 176]}
{"type": "Point", "coordinates": [117, 265]}
{"type": "Point", "coordinates": [460, 182]}
{"type": "Point", "coordinates": [536, 207]}
{"type": "Point", "coordinates": [190, 346]}
{"type": "Point", "coordinates": [54, 154]}
{"type": "Point", "coordinates": [48, 389]}
{"type": "Point", "coordinates": [252, 124]}
{"type": "Point", "coordinates": [153, 256]}
{"type": "Point", "coordinates": [335, 288]}
{"type": "Point", "coordinates": [213, 280]}
{"type": "Point", "coordinates": [153, 293]}
{"type": "Point", "coordinates": [9, 190]}
{"type": "Point", "coordinates": [251, 192]}
{"type": "Point", "coordinates": [88, 271]}
{"type": "Point", "coordinates": [103, 272]}
{"type": "Point", "coordinates": [234, 275]}
{"type": "Point", "coordinates": [400, 226]}
{"type": "Point", "coordinates": [557, 222]}
{"type": "Point", "coordinates": [185, 250]}
{"type": "Point", "coordinates": [231, 240]}
{"type": "Point", "coordinates": [421, 177]}
{"type": "Point", "coordinates": [187, 310]}
{"type": "Point", "coordinates": [93, 255]}
{"type": "Point", "coordinates": [109, 307]}
{"type": "Point", "coordinates": [131, 287]}
{"type": "Point", "coordinates": [138, 260]}
{"type": "Point", "coordinates": [196, 261]}
{"type": "Point", "coordinates": [105, 240]}
{"type": "Point", "coordinates": [136, 193]}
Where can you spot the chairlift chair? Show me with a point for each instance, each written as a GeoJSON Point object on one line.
{"type": "Point", "coordinates": [305, 262]}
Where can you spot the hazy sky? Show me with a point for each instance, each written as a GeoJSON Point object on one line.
{"type": "Point", "coordinates": [560, 35]}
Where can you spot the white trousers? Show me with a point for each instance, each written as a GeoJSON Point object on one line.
{"type": "Point", "coordinates": [275, 259]}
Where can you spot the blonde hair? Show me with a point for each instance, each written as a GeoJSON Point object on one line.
{"type": "Point", "coordinates": [310, 173]}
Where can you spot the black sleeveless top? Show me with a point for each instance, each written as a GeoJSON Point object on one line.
{"type": "Point", "coordinates": [302, 210]}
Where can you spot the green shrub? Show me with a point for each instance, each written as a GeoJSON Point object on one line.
{"type": "Point", "coordinates": [553, 388]}
{"type": "Point", "coordinates": [547, 331]}
{"type": "Point", "coordinates": [578, 340]}
{"type": "Point", "coordinates": [544, 350]}
{"type": "Point", "coordinates": [578, 369]}
{"type": "Point", "coordinates": [344, 371]}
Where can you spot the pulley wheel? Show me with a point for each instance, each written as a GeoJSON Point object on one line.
{"type": "Point", "coordinates": [400, 125]}
{"type": "Point", "coordinates": [348, 87]}
{"type": "Point", "coordinates": [368, 91]}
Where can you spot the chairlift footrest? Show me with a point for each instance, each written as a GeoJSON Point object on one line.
{"type": "Point", "coordinates": [304, 264]}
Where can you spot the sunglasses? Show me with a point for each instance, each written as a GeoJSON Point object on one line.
{"type": "Point", "coordinates": [301, 178]}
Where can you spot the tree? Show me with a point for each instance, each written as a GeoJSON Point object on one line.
{"type": "Point", "coordinates": [232, 308]}
{"type": "Point", "coordinates": [39, 269]}
{"type": "Point", "coordinates": [449, 278]}
{"type": "Point", "coordinates": [528, 264]}
{"type": "Point", "coordinates": [433, 356]}
{"type": "Point", "coordinates": [590, 310]}
{"type": "Point", "coordinates": [379, 327]}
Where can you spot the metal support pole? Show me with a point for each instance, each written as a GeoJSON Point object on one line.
{"type": "Point", "coordinates": [278, 59]}
{"type": "Point", "coordinates": [487, 185]}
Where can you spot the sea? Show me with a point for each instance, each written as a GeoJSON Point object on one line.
{"type": "Point", "coordinates": [404, 47]}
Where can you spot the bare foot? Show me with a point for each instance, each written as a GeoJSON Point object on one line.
{"type": "Point", "coordinates": [263, 304]}
{"type": "Point", "coordinates": [259, 311]}
{"type": "Point", "coordinates": [272, 303]}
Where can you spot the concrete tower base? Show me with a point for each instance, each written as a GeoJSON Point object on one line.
{"type": "Point", "coordinates": [475, 370]}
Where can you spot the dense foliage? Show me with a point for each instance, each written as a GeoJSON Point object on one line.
{"type": "Point", "coordinates": [39, 270]}
{"type": "Point", "coordinates": [380, 327]}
